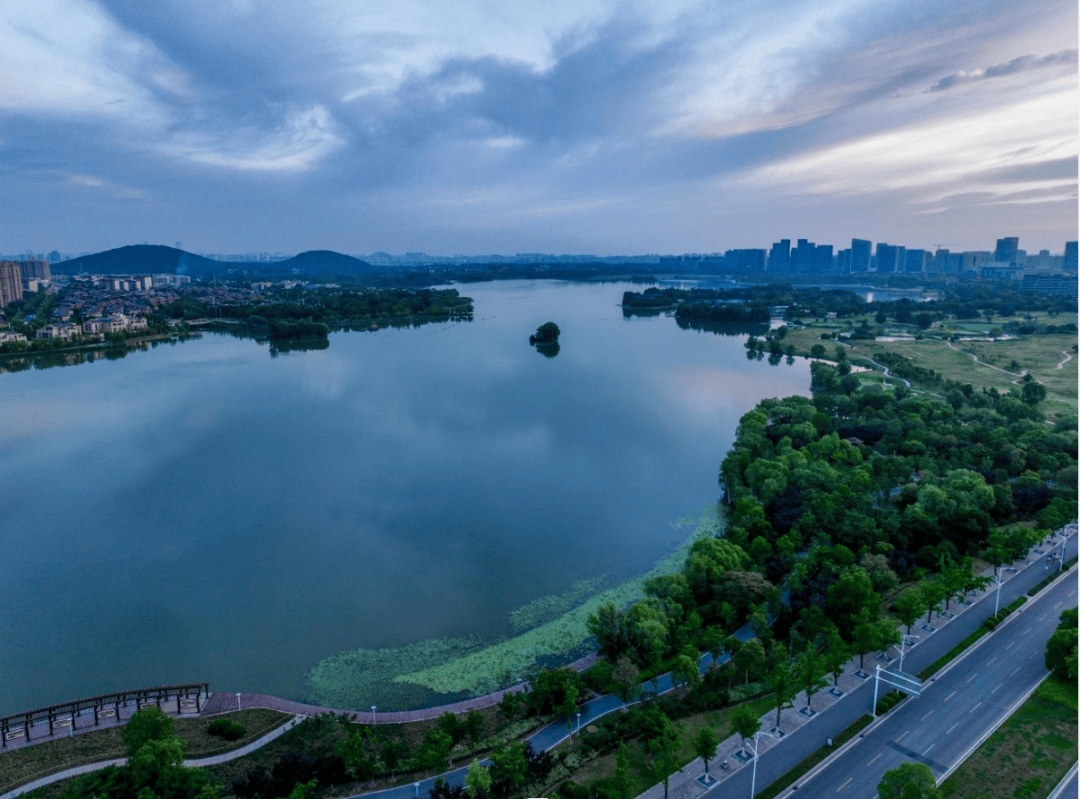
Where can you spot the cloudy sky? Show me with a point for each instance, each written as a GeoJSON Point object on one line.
{"type": "Point", "coordinates": [568, 126]}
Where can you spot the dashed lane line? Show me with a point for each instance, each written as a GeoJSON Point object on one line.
{"type": "Point", "coordinates": [998, 686]}
{"type": "Point", "coordinates": [1011, 673]}
{"type": "Point", "coordinates": [875, 757]}
{"type": "Point", "coordinates": [976, 705]}
{"type": "Point", "coordinates": [969, 679]}
{"type": "Point", "coordinates": [924, 718]}
{"type": "Point", "coordinates": [950, 696]}
{"type": "Point", "coordinates": [953, 727]}
{"type": "Point", "coordinates": [849, 779]}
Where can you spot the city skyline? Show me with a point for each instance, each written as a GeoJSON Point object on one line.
{"type": "Point", "coordinates": [606, 128]}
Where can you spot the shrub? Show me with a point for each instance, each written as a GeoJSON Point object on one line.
{"type": "Point", "coordinates": [226, 730]}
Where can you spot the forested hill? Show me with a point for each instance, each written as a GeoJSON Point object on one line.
{"type": "Point", "coordinates": [325, 261]}
{"type": "Point", "coordinates": [139, 259]}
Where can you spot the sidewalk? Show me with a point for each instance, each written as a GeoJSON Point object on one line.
{"type": "Point", "coordinates": [275, 733]}
{"type": "Point", "coordinates": [688, 784]}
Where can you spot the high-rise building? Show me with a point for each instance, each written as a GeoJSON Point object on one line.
{"type": "Point", "coordinates": [803, 257]}
{"type": "Point", "coordinates": [860, 255]}
{"type": "Point", "coordinates": [890, 257]}
{"type": "Point", "coordinates": [1006, 250]}
{"type": "Point", "coordinates": [10, 282]}
{"type": "Point", "coordinates": [36, 268]}
{"type": "Point", "coordinates": [823, 258]}
{"type": "Point", "coordinates": [915, 261]}
{"type": "Point", "coordinates": [780, 256]}
{"type": "Point", "coordinates": [1069, 263]}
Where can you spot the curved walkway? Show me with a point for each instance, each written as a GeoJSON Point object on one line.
{"type": "Point", "coordinates": [201, 762]}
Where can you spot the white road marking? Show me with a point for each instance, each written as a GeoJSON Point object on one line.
{"type": "Point", "coordinates": [849, 779]}
{"type": "Point", "coordinates": [1011, 645]}
{"type": "Point", "coordinates": [928, 749]}
{"type": "Point", "coordinates": [1011, 673]}
{"type": "Point", "coordinates": [969, 679]}
{"type": "Point", "coordinates": [998, 686]}
{"type": "Point", "coordinates": [928, 715]}
{"type": "Point", "coordinates": [976, 705]}
{"type": "Point", "coordinates": [950, 696]}
{"type": "Point", "coordinates": [953, 727]}
{"type": "Point", "coordinates": [905, 732]}
{"type": "Point", "coordinates": [991, 660]}
{"type": "Point", "coordinates": [875, 757]}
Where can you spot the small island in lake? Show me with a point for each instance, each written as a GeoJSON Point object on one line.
{"type": "Point", "coordinates": [546, 339]}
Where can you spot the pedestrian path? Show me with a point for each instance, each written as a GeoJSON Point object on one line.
{"type": "Point", "coordinates": [202, 762]}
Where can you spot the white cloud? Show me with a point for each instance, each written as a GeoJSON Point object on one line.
{"type": "Point", "coordinates": [303, 139]}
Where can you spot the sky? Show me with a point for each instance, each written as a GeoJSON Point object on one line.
{"type": "Point", "coordinates": [570, 126]}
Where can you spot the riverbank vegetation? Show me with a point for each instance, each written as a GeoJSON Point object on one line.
{"type": "Point", "coordinates": [449, 669]}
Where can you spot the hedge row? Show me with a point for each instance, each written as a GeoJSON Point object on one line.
{"type": "Point", "coordinates": [889, 701]}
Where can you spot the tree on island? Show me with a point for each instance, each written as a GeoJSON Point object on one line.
{"type": "Point", "coordinates": [547, 333]}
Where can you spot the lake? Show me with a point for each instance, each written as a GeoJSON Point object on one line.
{"type": "Point", "coordinates": [203, 511]}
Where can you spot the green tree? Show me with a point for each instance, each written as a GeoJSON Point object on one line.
{"type": "Point", "coordinates": [477, 780]}
{"type": "Point", "coordinates": [620, 785]}
{"type": "Point", "coordinates": [149, 724]}
{"type": "Point", "coordinates": [745, 723]}
{"type": "Point", "coordinates": [663, 749]}
{"type": "Point", "coordinates": [355, 752]}
{"type": "Point", "coordinates": [837, 654]}
{"type": "Point", "coordinates": [685, 672]}
{"type": "Point", "coordinates": [626, 679]}
{"type": "Point", "coordinates": [851, 593]}
{"type": "Point", "coordinates": [782, 679]}
{"type": "Point", "coordinates": [391, 753]}
{"type": "Point", "coordinates": [547, 333]}
{"type": "Point", "coordinates": [750, 658]}
{"type": "Point", "coordinates": [908, 607]}
{"type": "Point", "coordinates": [932, 593]}
{"type": "Point", "coordinates": [705, 743]}
{"type": "Point", "coordinates": [1033, 393]}
{"type": "Point", "coordinates": [433, 753]}
{"type": "Point", "coordinates": [1061, 649]}
{"type": "Point", "coordinates": [810, 670]}
{"type": "Point", "coordinates": [555, 691]}
{"type": "Point", "coordinates": [908, 781]}
{"type": "Point", "coordinates": [611, 630]}
{"type": "Point", "coordinates": [509, 764]}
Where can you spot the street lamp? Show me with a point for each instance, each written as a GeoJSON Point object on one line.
{"type": "Point", "coordinates": [753, 774]}
{"type": "Point", "coordinates": [238, 701]}
{"type": "Point", "coordinates": [373, 714]}
{"type": "Point", "coordinates": [579, 724]}
{"type": "Point", "coordinates": [1061, 560]}
{"type": "Point", "coordinates": [903, 640]}
{"type": "Point", "coordinates": [997, 600]}
{"type": "Point", "coordinates": [416, 787]}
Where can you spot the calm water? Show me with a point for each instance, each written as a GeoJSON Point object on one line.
{"type": "Point", "coordinates": [203, 511]}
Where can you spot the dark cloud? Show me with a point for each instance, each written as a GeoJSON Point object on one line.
{"type": "Point", "coordinates": [1021, 64]}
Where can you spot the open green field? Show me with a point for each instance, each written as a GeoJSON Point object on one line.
{"type": "Point", "coordinates": [1027, 755]}
{"type": "Point", "coordinates": [20, 766]}
{"type": "Point", "coordinates": [985, 364]}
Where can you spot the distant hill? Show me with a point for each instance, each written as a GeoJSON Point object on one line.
{"type": "Point", "coordinates": [139, 259]}
{"type": "Point", "coordinates": [324, 261]}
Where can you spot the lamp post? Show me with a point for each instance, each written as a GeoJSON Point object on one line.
{"type": "Point", "coordinates": [903, 641]}
{"type": "Point", "coordinates": [238, 701]}
{"type": "Point", "coordinates": [373, 714]}
{"type": "Point", "coordinates": [416, 787]}
{"type": "Point", "coordinates": [753, 773]}
{"type": "Point", "coordinates": [997, 600]}
{"type": "Point", "coordinates": [579, 725]}
{"type": "Point", "coordinates": [1061, 560]}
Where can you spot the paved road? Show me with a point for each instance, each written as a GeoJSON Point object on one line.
{"type": "Point", "coordinates": [957, 708]}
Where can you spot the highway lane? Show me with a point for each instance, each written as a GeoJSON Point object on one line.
{"type": "Point", "coordinates": [958, 708]}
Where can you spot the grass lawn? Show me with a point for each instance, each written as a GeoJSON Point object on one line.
{"type": "Point", "coordinates": [1028, 754]}
{"type": "Point", "coordinates": [999, 363]}
{"type": "Point", "coordinates": [20, 766]}
{"type": "Point", "coordinates": [604, 765]}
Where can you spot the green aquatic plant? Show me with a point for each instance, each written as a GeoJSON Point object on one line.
{"type": "Point", "coordinates": [447, 669]}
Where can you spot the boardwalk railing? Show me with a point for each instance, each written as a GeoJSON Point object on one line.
{"type": "Point", "coordinates": [188, 698]}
